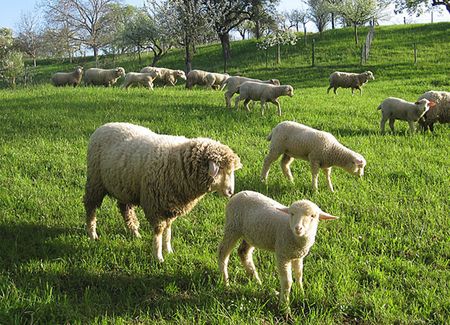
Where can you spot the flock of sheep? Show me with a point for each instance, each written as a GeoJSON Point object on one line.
{"type": "Point", "coordinates": [167, 175]}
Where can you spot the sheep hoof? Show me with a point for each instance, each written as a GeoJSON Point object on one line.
{"type": "Point", "coordinates": [136, 234]}
{"type": "Point", "coordinates": [93, 236]}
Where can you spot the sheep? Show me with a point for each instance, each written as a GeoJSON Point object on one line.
{"type": "Point", "coordinates": [234, 82]}
{"type": "Point", "coordinates": [264, 223]}
{"type": "Point", "coordinates": [103, 77]}
{"type": "Point", "coordinates": [68, 78]}
{"type": "Point", "coordinates": [393, 108]}
{"type": "Point", "coordinates": [166, 175]}
{"type": "Point", "coordinates": [321, 149]}
{"type": "Point", "coordinates": [349, 80]}
{"type": "Point", "coordinates": [167, 76]}
{"type": "Point", "coordinates": [440, 113]}
{"type": "Point", "coordinates": [256, 91]}
{"type": "Point", "coordinates": [138, 78]}
{"type": "Point", "coordinates": [216, 80]}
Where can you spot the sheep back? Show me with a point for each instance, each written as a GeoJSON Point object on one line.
{"type": "Point", "coordinates": [103, 77]}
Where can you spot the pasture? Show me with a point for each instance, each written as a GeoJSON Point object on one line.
{"type": "Point", "coordinates": [385, 261]}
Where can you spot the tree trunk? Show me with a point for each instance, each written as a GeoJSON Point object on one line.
{"type": "Point", "coordinates": [95, 49]}
{"type": "Point", "coordinates": [278, 53]}
{"type": "Point", "coordinates": [225, 41]}
{"type": "Point", "coordinates": [257, 29]}
{"type": "Point", "coordinates": [332, 20]}
{"type": "Point", "coordinates": [188, 56]}
{"type": "Point", "coordinates": [356, 34]}
{"type": "Point", "coordinates": [304, 32]}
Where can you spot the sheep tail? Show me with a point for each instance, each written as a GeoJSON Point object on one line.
{"type": "Point", "coordinates": [269, 137]}
{"type": "Point", "coordinates": [379, 106]}
{"type": "Point", "coordinates": [224, 84]}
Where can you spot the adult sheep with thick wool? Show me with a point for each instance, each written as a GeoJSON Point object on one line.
{"type": "Point", "coordinates": [349, 80]}
{"type": "Point", "coordinates": [264, 223]}
{"type": "Point", "coordinates": [205, 78]}
{"type": "Point", "coordinates": [393, 108]}
{"type": "Point", "coordinates": [263, 93]}
{"type": "Point", "coordinates": [68, 78]}
{"type": "Point", "coordinates": [138, 78]}
{"type": "Point", "coordinates": [233, 83]}
{"type": "Point", "coordinates": [166, 175]}
{"type": "Point", "coordinates": [103, 77]}
{"type": "Point", "coordinates": [440, 113]}
{"type": "Point", "coordinates": [167, 76]}
{"type": "Point", "coordinates": [321, 149]}
{"type": "Point", "coordinates": [215, 80]}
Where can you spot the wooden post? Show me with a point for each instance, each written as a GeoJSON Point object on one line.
{"type": "Point", "coordinates": [415, 53]}
{"type": "Point", "coordinates": [313, 51]}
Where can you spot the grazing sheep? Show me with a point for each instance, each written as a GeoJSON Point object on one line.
{"type": "Point", "coordinates": [234, 82]}
{"type": "Point", "coordinates": [138, 78]}
{"type": "Point", "coordinates": [349, 80]}
{"type": "Point", "coordinates": [103, 77]}
{"type": "Point", "coordinates": [166, 175]}
{"type": "Point", "coordinates": [398, 109]}
{"type": "Point", "coordinates": [264, 223]}
{"type": "Point", "coordinates": [440, 113]}
{"type": "Point", "coordinates": [321, 149]}
{"type": "Point", "coordinates": [216, 80]}
{"type": "Point", "coordinates": [257, 91]}
{"type": "Point", "coordinates": [167, 76]}
{"type": "Point", "coordinates": [68, 78]}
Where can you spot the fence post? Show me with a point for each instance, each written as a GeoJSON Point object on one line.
{"type": "Point", "coordinates": [313, 51]}
{"type": "Point", "coordinates": [415, 53]}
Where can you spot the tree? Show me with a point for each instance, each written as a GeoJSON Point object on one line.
{"type": "Point", "coordinates": [318, 13]}
{"type": "Point", "coordinates": [278, 38]}
{"type": "Point", "coordinates": [29, 35]}
{"type": "Point", "coordinates": [11, 60]}
{"type": "Point", "coordinates": [262, 13]}
{"type": "Point", "coordinates": [417, 6]}
{"type": "Point", "coordinates": [88, 19]}
{"type": "Point", "coordinates": [245, 27]}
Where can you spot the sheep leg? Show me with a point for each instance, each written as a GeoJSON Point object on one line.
{"type": "Point", "coordinates": [297, 265]}
{"type": "Point", "coordinates": [92, 200]}
{"type": "Point", "coordinates": [245, 252]}
{"type": "Point", "coordinates": [285, 163]}
{"type": "Point", "coordinates": [225, 247]}
{"type": "Point", "coordinates": [246, 101]}
{"type": "Point", "coordinates": [276, 102]}
{"type": "Point", "coordinates": [334, 90]}
{"type": "Point", "coordinates": [382, 123]}
{"type": "Point", "coordinates": [412, 128]}
{"type": "Point", "coordinates": [270, 158]}
{"type": "Point", "coordinates": [328, 90]}
{"type": "Point", "coordinates": [285, 274]}
{"type": "Point", "coordinates": [391, 123]}
{"type": "Point", "coordinates": [236, 102]}
{"type": "Point", "coordinates": [263, 103]}
{"type": "Point", "coordinates": [167, 236]}
{"type": "Point", "coordinates": [228, 96]}
{"type": "Point", "coordinates": [158, 230]}
{"type": "Point", "coordinates": [315, 175]}
{"type": "Point", "coordinates": [360, 90]}
{"type": "Point", "coordinates": [128, 214]}
{"type": "Point", "coordinates": [327, 172]}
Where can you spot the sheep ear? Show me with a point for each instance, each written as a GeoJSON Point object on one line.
{"type": "Point", "coordinates": [285, 210]}
{"type": "Point", "coordinates": [326, 216]}
{"type": "Point", "coordinates": [213, 169]}
{"type": "Point", "coordinates": [417, 103]}
{"type": "Point", "coordinates": [358, 162]}
{"type": "Point", "coordinates": [239, 166]}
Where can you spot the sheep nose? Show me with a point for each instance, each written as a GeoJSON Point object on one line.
{"type": "Point", "coordinates": [298, 229]}
{"type": "Point", "coordinates": [229, 192]}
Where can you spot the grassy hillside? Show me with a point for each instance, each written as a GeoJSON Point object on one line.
{"type": "Point", "coordinates": [386, 260]}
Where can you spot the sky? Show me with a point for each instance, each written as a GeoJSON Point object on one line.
{"type": "Point", "coordinates": [12, 9]}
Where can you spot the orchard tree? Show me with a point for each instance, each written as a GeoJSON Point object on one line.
{"type": "Point", "coordinates": [418, 6]}
{"type": "Point", "coordinates": [276, 39]}
{"type": "Point", "coordinates": [29, 35]}
{"type": "Point", "coordinates": [11, 60]}
{"type": "Point", "coordinates": [318, 13]}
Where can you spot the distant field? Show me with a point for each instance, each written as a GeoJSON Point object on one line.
{"type": "Point", "coordinates": [385, 261]}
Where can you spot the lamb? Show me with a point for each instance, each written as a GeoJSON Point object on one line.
{"type": "Point", "coordinates": [393, 108]}
{"type": "Point", "coordinates": [167, 76]}
{"type": "Point", "coordinates": [103, 77]}
{"type": "Point", "coordinates": [215, 80]}
{"type": "Point", "coordinates": [234, 82]}
{"type": "Point", "coordinates": [166, 175]}
{"type": "Point", "coordinates": [68, 78]}
{"type": "Point", "coordinates": [138, 78]}
{"type": "Point", "coordinates": [205, 78]}
{"type": "Point", "coordinates": [440, 113]}
{"type": "Point", "coordinates": [256, 91]}
{"type": "Point", "coordinates": [321, 149]}
{"type": "Point", "coordinates": [264, 223]}
{"type": "Point", "coordinates": [349, 80]}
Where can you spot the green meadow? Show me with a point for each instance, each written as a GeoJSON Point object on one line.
{"type": "Point", "coordinates": [385, 261]}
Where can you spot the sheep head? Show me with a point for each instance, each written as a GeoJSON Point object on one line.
{"type": "Point", "coordinates": [356, 165]}
{"type": "Point", "coordinates": [288, 90]}
{"type": "Point", "coordinates": [304, 217]}
{"type": "Point", "coordinates": [369, 75]}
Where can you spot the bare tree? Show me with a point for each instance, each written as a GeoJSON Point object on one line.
{"type": "Point", "coordinates": [29, 32]}
{"type": "Point", "coordinates": [87, 18]}
{"type": "Point", "coordinates": [318, 13]}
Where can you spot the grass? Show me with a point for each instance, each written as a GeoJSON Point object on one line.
{"type": "Point", "coordinates": [386, 260]}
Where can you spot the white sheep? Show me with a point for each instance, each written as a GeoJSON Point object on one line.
{"type": "Point", "coordinates": [440, 113]}
{"type": "Point", "coordinates": [264, 223]}
{"type": "Point", "coordinates": [138, 78]}
{"type": "Point", "coordinates": [103, 77]}
{"type": "Point", "coordinates": [205, 78]}
{"type": "Point", "coordinates": [68, 78]}
{"type": "Point", "coordinates": [167, 76]}
{"type": "Point", "coordinates": [393, 108]}
{"type": "Point", "coordinates": [349, 80]}
{"type": "Point", "coordinates": [257, 91]}
{"type": "Point", "coordinates": [166, 175]}
{"type": "Point", "coordinates": [321, 149]}
{"type": "Point", "coordinates": [215, 80]}
{"type": "Point", "coordinates": [233, 83]}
